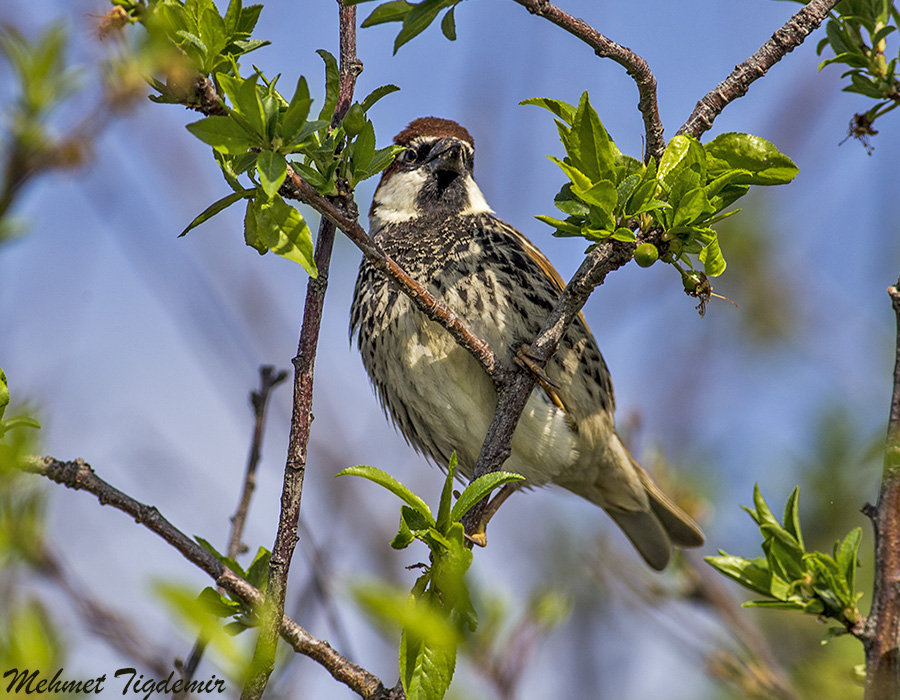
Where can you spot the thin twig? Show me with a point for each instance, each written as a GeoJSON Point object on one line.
{"type": "Point", "coordinates": [736, 85]}
{"type": "Point", "coordinates": [79, 476]}
{"type": "Point", "coordinates": [301, 416]}
{"type": "Point", "coordinates": [513, 394]}
{"type": "Point", "coordinates": [607, 48]}
{"type": "Point", "coordinates": [259, 400]}
{"type": "Point", "coordinates": [881, 637]}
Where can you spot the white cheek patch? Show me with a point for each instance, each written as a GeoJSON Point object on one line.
{"type": "Point", "coordinates": [477, 203]}
{"type": "Point", "coordinates": [395, 199]}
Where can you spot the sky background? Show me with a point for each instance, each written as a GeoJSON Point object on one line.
{"type": "Point", "coordinates": [140, 348]}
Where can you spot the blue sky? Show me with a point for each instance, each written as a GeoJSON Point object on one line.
{"type": "Point", "coordinates": [141, 347]}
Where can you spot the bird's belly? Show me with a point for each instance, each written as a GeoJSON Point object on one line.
{"type": "Point", "coordinates": [448, 403]}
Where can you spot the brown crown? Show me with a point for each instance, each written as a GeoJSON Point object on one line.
{"type": "Point", "coordinates": [433, 126]}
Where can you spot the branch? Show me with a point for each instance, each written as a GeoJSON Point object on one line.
{"type": "Point", "coordinates": [881, 640]}
{"type": "Point", "coordinates": [736, 85]}
{"type": "Point", "coordinates": [513, 394]}
{"type": "Point", "coordinates": [301, 417]}
{"type": "Point", "coordinates": [79, 476]}
{"type": "Point", "coordinates": [607, 48]}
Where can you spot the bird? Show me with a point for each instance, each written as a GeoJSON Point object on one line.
{"type": "Point", "coordinates": [431, 217]}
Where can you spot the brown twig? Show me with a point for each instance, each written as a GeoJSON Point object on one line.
{"type": "Point", "coordinates": [607, 48]}
{"type": "Point", "coordinates": [79, 476]}
{"type": "Point", "coordinates": [259, 400]}
{"type": "Point", "coordinates": [736, 85]}
{"type": "Point", "coordinates": [513, 393]}
{"type": "Point", "coordinates": [301, 416]}
{"type": "Point", "coordinates": [881, 640]}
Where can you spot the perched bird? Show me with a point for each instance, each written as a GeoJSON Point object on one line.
{"type": "Point", "coordinates": [430, 216]}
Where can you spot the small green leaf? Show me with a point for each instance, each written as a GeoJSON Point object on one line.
{"type": "Point", "coordinates": [258, 571]}
{"type": "Point", "coordinates": [750, 573]}
{"type": "Point", "coordinates": [388, 12]}
{"type": "Point", "coordinates": [217, 604]}
{"type": "Point", "coordinates": [222, 133]}
{"type": "Point", "coordinates": [298, 110]}
{"type": "Point", "coordinates": [792, 516]}
{"type": "Point", "coordinates": [272, 169]}
{"type": "Point", "coordinates": [416, 21]}
{"type": "Point", "coordinates": [561, 109]}
{"type": "Point", "coordinates": [602, 194]}
{"type": "Point", "coordinates": [763, 162]}
{"type": "Point", "coordinates": [590, 147]}
{"type": "Point", "coordinates": [376, 95]}
{"type": "Point", "coordinates": [562, 226]}
{"type": "Point", "coordinates": [712, 259]}
{"type": "Point", "coordinates": [364, 151]}
{"type": "Point", "coordinates": [227, 561]}
{"type": "Point", "coordinates": [391, 484]}
{"type": "Point", "coordinates": [332, 85]}
{"type": "Point", "coordinates": [283, 231]}
{"type": "Point", "coordinates": [448, 25]}
{"type": "Point", "coordinates": [580, 181]}
{"type": "Point", "coordinates": [215, 208]}
{"type": "Point", "coordinates": [443, 516]}
{"type": "Point", "coordinates": [478, 489]}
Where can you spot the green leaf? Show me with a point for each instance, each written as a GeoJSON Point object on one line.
{"type": "Point", "coordinates": [376, 95]}
{"type": "Point", "coordinates": [417, 20]}
{"type": "Point", "coordinates": [364, 151]}
{"type": "Point", "coordinates": [602, 194]}
{"type": "Point", "coordinates": [222, 133]}
{"type": "Point", "coordinates": [332, 85]}
{"type": "Point", "coordinates": [404, 536]}
{"type": "Point", "coordinates": [297, 112]}
{"type": "Point", "coordinates": [443, 516]}
{"type": "Point", "coordinates": [383, 157]}
{"type": "Point", "coordinates": [763, 163]}
{"type": "Point", "coordinates": [478, 489]}
{"type": "Point", "coordinates": [4, 393]}
{"type": "Point", "coordinates": [448, 25]}
{"type": "Point", "coordinates": [283, 231]}
{"type": "Point", "coordinates": [847, 556]}
{"type": "Point", "coordinates": [272, 169]}
{"type": "Point", "coordinates": [426, 666]}
{"type": "Point", "coordinates": [792, 516]}
{"type": "Point", "coordinates": [391, 484]}
{"type": "Point", "coordinates": [388, 12]}
{"type": "Point", "coordinates": [711, 257]}
{"type": "Point", "coordinates": [217, 604]}
{"type": "Point", "coordinates": [589, 146]}
{"type": "Point", "coordinates": [215, 208]}
{"type": "Point", "coordinates": [691, 208]}
{"type": "Point", "coordinates": [682, 153]}
{"type": "Point", "coordinates": [227, 561]}
{"type": "Point", "coordinates": [750, 573]}
{"type": "Point", "coordinates": [562, 226]}
{"type": "Point", "coordinates": [561, 109]}
{"type": "Point", "coordinates": [258, 571]}
{"type": "Point", "coordinates": [580, 181]}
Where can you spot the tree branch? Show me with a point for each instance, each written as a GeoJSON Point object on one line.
{"type": "Point", "coordinates": [513, 394]}
{"type": "Point", "coordinates": [79, 476]}
{"type": "Point", "coordinates": [736, 85]}
{"type": "Point", "coordinates": [881, 640]}
{"type": "Point", "coordinates": [607, 48]}
{"type": "Point", "coordinates": [301, 416]}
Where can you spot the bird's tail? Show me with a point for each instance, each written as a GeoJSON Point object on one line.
{"type": "Point", "coordinates": [655, 530]}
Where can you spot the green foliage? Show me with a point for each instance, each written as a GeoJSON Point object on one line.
{"type": "Point", "coordinates": [219, 605]}
{"type": "Point", "coordinates": [792, 578]}
{"type": "Point", "coordinates": [259, 133]}
{"type": "Point", "coordinates": [435, 615]}
{"type": "Point", "coordinates": [9, 424]}
{"type": "Point", "coordinates": [857, 33]}
{"type": "Point", "coordinates": [415, 17]}
{"type": "Point", "coordinates": [612, 195]}
{"type": "Point", "coordinates": [29, 639]}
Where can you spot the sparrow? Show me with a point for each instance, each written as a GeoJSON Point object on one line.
{"type": "Point", "coordinates": [430, 216]}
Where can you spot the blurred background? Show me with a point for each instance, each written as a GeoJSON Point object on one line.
{"type": "Point", "coordinates": [138, 350]}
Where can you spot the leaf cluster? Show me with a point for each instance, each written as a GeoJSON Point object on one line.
{"type": "Point", "coordinates": [414, 17]}
{"type": "Point", "coordinates": [219, 605]}
{"type": "Point", "coordinates": [681, 198]}
{"type": "Point", "coordinates": [857, 33]}
{"type": "Point", "coordinates": [436, 614]}
{"type": "Point", "coordinates": [792, 578]}
{"type": "Point", "coordinates": [261, 134]}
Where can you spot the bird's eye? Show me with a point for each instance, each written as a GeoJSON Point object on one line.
{"type": "Point", "coordinates": [407, 156]}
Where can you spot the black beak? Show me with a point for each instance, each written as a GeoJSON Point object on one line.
{"type": "Point", "coordinates": [445, 157]}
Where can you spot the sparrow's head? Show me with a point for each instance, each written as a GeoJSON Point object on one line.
{"type": "Point", "coordinates": [431, 177]}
